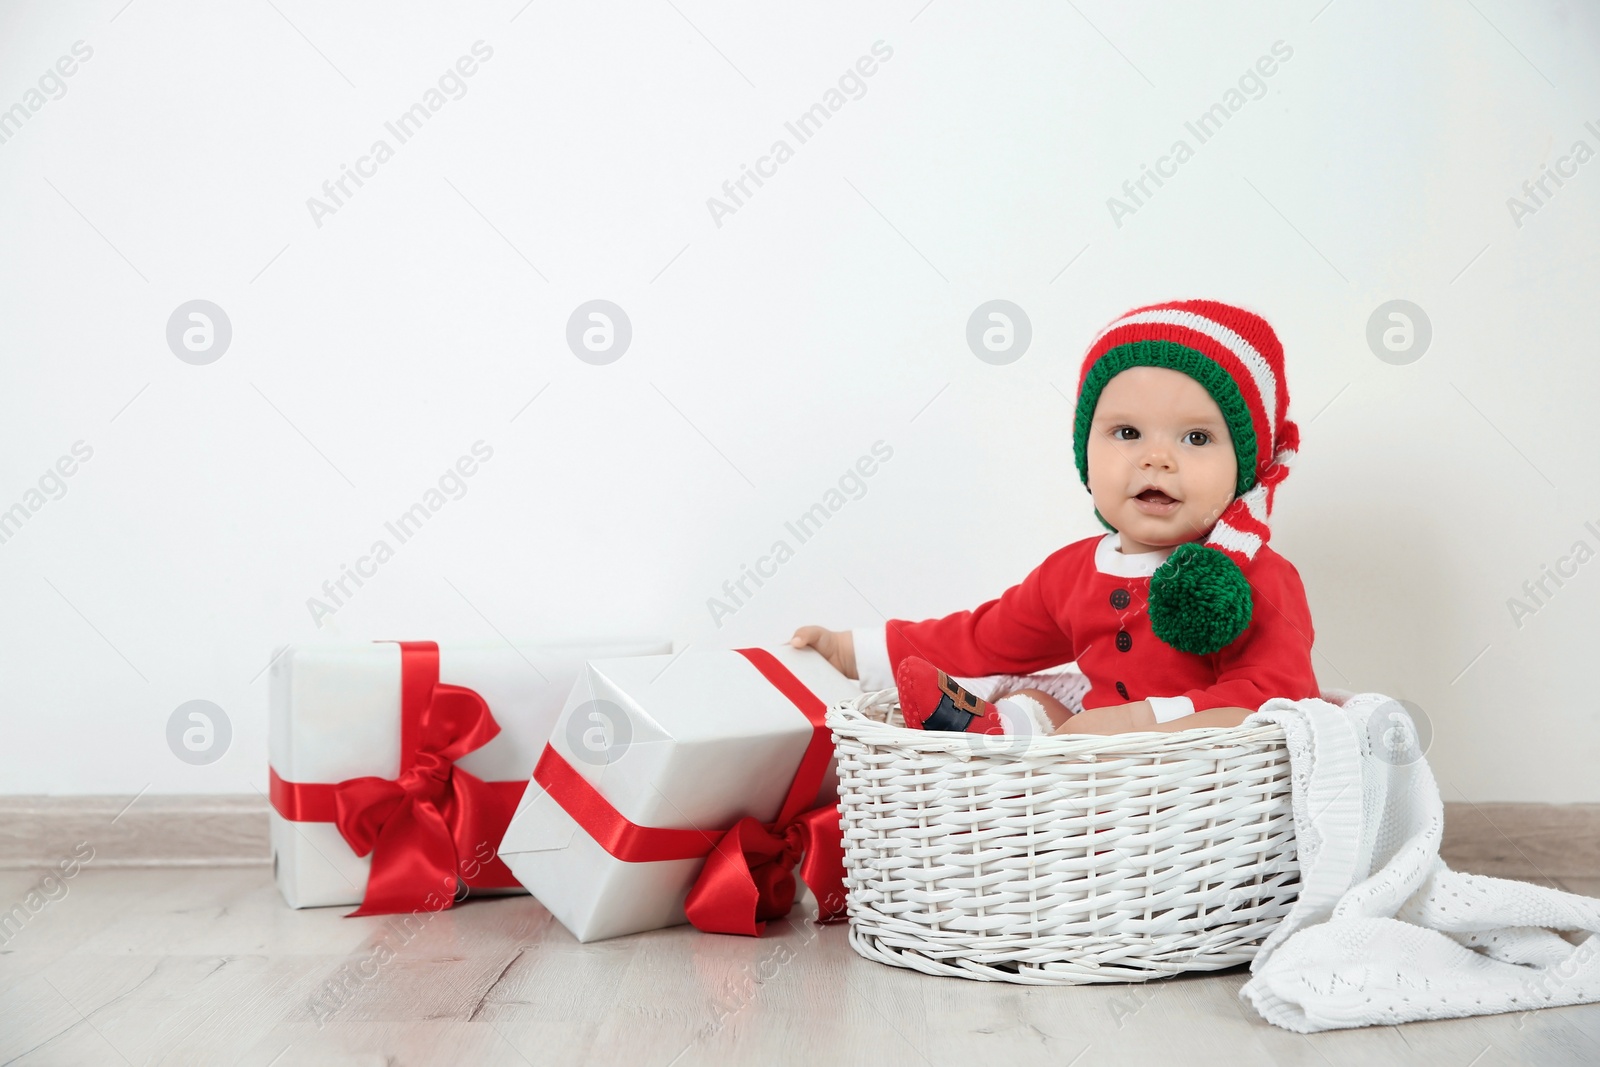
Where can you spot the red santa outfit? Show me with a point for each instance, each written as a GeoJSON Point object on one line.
{"type": "Point", "coordinates": [1220, 621]}
{"type": "Point", "coordinates": [1087, 603]}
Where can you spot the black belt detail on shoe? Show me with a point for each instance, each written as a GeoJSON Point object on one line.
{"type": "Point", "coordinates": [948, 717]}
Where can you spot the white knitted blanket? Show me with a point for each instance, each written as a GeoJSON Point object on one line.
{"type": "Point", "coordinates": [1383, 932]}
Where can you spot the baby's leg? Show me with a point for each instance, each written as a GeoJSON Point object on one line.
{"type": "Point", "coordinates": [1057, 711]}
{"type": "Point", "coordinates": [931, 700]}
{"type": "Point", "coordinates": [1129, 718]}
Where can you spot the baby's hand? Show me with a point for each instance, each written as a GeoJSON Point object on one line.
{"type": "Point", "coordinates": [836, 646]}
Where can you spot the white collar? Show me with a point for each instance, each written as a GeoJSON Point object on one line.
{"type": "Point", "coordinates": [1108, 560]}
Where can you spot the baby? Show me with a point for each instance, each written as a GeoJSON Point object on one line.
{"type": "Point", "coordinates": [1181, 616]}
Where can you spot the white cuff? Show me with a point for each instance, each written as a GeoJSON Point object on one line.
{"type": "Point", "coordinates": [1024, 715]}
{"type": "Point", "coordinates": [872, 659]}
{"type": "Point", "coordinates": [1169, 708]}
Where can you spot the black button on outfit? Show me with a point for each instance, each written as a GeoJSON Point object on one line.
{"type": "Point", "coordinates": [1120, 599]}
{"type": "Point", "coordinates": [1122, 691]}
{"type": "Point", "coordinates": [1124, 640]}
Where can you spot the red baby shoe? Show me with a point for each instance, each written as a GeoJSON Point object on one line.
{"type": "Point", "coordinates": [930, 700]}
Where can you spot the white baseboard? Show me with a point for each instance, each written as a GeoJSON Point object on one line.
{"type": "Point", "coordinates": [1501, 839]}
{"type": "Point", "coordinates": [144, 831]}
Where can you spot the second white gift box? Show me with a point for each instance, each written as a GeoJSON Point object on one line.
{"type": "Point", "coordinates": [674, 750]}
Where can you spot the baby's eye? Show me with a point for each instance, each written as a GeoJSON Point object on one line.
{"type": "Point", "coordinates": [1117, 433]}
{"type": "Point", "coordinates": [1204, 437]}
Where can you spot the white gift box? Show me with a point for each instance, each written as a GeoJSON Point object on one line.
{"type": "Point", "coordinates": [335, 714]}
{"type": "Point", "coordinates": [692, 742]}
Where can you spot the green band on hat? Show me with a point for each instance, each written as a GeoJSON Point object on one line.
{"type": "Point", "coordinates": [1173, 356]}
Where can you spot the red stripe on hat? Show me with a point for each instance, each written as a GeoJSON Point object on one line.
{"type": "Point", "coordinates": [1264, 338]}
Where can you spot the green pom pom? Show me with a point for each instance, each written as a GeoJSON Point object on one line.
{"type": "Point", "coordinates": [1199, 600]}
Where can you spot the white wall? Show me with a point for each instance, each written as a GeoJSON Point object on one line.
{"type": "Point", "coordinates": [772, 351]}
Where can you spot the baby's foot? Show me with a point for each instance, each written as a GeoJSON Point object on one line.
{"type": "Point", "coordinates": [931, 700]}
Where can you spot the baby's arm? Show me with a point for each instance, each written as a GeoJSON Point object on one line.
{"type": "Point", "coordinates": [1015, 633]}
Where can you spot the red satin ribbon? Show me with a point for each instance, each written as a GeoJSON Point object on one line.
{"type": "Point", "coordinates": [748, 877]}
{"type": "Point", "coordinates": [433, 827]}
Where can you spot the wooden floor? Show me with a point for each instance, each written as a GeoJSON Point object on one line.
{"type": "Point", "coordinates": [206, 965]}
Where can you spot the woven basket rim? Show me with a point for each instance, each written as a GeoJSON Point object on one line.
{"type": "Point", "coordinates": [848, 717]}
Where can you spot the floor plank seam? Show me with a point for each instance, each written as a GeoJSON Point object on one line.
{"type": "Point", "coordinates": [478, 1007]}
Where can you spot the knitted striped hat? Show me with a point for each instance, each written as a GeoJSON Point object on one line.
{"type": "Point", "coordinates": [1200, 596]}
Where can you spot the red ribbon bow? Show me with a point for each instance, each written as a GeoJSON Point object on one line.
{"type": "Point", "coordinates": [748, 877]}
{"type": "Point", "coordinates": [434, 827]}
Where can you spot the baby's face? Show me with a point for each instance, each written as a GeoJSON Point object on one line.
{"type": "Point", "coordinates": [1155, 426]}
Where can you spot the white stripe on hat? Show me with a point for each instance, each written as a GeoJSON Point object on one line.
{"type": "Point", "coordinates": [1266, 382]}
{"type": "Point", "coordinates": [1225, 537]}
{"type": "Point", "coordinates": [1256, 503]}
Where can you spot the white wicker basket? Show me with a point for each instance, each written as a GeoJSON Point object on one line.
{"type": "Point", "coordinates": [1062, 859]}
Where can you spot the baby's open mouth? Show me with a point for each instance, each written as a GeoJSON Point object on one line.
{"type": "Point", "coordinates": [1156, 496]}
